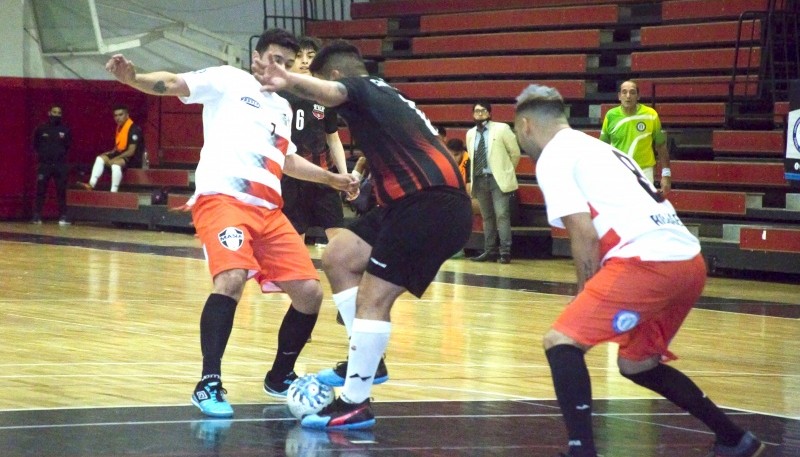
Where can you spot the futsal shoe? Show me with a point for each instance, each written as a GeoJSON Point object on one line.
{"type": "Point", "coordinates": [84, 185]}
{"type": "Point", "coordinates": [341, 415]}
{"type": "Point", "coordinates": [334, 377]}
{"type": "Point", "coordinates": [209, 396]}
{"type": "Point", "coordinates": [749, 446]}
{"type": "Point", "coordinates": [278, 388]}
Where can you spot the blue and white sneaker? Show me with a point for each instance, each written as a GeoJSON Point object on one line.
{"type": "Point", "coordinates": [279, 388]}
{"type": "Point", "coordinates": [334, 377]}
{"type": "Point", "coordinates": [209, 396]}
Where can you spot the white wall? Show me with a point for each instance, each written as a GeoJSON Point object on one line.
{"type": "Point", "coordinates": [234, 19]}
{"type": "Point", "coordinates": [11, 38]}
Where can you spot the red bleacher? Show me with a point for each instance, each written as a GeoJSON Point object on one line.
{"type": "Point", "coordinates": [360, 28]}
{"type": "Point", "coordinates": [723, 173]}
{"type": "Point", "coordinates": [519, 19]}
{"type": "Point", "coordinates": [709, 9]}
{"type": "Point", "coordinates": [770, 239]}
{"type": "Point", "coordinates": [696, 34]}
{"type": "Point", "coordinates": [694, 60]}
{"type": "Point", "coordinates": [508, 42]}
{"type": "Point", "coordinates": [485, 90]}
{"type": "Point", "coordinates": [751, 143]}
{"type": "Point", "coordinates": [115, 200]}
{"type": "Point", "coordinates": [482, 66]}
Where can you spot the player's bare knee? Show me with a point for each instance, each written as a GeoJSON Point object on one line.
{"type": "Point", "coordinates": [306, 295]}
{"type": "Point", "coordinates": [628, 367]}
{"type": "Point", "coordinates": [554, 338]}
{"type": "Point", "coordinates": [230, 283]}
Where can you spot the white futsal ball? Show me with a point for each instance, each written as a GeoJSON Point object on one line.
{"type": "Point", "coordinates": [307, 395]}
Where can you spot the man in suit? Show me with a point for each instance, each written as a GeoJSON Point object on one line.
{"type": "Point", "coordinates": [494, 154]}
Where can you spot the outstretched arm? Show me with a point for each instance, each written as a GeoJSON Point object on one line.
{"type": "Point", "coordinates": [274, 77]}
{"type": "Point", "coordinates": [156, 83]}
{"type": "Point", "coordinates": [300, 168]}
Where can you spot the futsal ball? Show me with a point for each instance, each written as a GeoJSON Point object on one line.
{"type": "Point", "coordinates": [307, 395]}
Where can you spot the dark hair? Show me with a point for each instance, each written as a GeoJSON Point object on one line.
{"type": "Point", "coordinates": [484, 104]}
{"type": "Point", "coordinates": [309, 42]}
{"type": "Point", "coordinates": [456, 144]}
{"type": "Point", "coordinates": [122, 107]}
{"type": "Point", "coordinates": [335, 53]}
{"type": "Point", "coordinates": [278, 37]}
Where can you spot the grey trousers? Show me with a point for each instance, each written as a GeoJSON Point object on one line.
{"type": "Point", "coordinates": [495, 206]}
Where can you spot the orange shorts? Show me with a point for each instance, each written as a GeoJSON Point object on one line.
{"type": "Point", "coordinates": [237, 235]}
{"type": "Point", "coordinates": [640, 305]}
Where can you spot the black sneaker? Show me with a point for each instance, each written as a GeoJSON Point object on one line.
{"type": "Point", "coordinates": [749, 446]}
{"type": "Point", "coordinates": [278, 388]}
{"type": "Point", "coordinates": [341, 415]}
{"type": "Point", "coordinates": [334, 377]}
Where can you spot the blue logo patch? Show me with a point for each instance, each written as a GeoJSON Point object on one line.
{"type": "Point", "coordinates": [625, 321]}
{"type": "Point", "coordinates": [250, 102]}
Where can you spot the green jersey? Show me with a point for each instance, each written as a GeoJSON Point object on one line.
{"type": "Point", "coordinates": [634, 135]}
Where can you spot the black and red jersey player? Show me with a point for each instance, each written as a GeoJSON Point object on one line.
{"type": "Point", "coordinates": [424, 216]}
{"type": "Point", "coordinates": [315, 133]}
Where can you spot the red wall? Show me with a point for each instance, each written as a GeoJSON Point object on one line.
{"type": "Point", "coordinates": [87, 111]}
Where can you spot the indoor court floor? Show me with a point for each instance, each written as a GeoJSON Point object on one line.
{"type": "Point", "coordinates": [100, 327]}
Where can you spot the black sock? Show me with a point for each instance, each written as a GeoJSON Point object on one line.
{"type": "Point", "coordinates": [574, 392]}
{"type": "Point", "coordinates": [682, 391]}
{"type": "Point", "coordinates": [216, 324]}
{"type": "Point", "coordinates": [295, 330]}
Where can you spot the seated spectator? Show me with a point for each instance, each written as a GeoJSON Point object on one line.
{"type": "Point", "coordinates": [459, 151]}
{"type": "Point", "coordinates": [127, 152]}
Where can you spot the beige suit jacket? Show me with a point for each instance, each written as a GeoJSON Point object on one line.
{"type": "Point", "coordinates": [503, 154]}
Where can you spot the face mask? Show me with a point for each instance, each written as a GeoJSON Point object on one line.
{"type": "Point", "coordinates": [55, 120]}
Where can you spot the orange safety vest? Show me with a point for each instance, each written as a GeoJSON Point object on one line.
{"type": "Point", "coordinates": [121, 139]}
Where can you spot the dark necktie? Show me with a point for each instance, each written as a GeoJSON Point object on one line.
{"type": "Point", "coordinates": [480, 154]}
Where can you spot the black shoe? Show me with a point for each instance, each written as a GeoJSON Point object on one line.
{"type": "Point", "coordinates": [334, 377]}
{"type": "Point", "coordinates": [504, 258]}
{"type": "Point", "coordinates": [280, 387]}
{"type": "Point", "coordinates": [749, 446]}
{"type": "Point", "coordinates": [341, 415]}
{"type": "Point", "coordinates": [485, 256]}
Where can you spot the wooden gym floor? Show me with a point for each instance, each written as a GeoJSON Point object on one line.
{"type": "Point", "coordinates": [101, 352]}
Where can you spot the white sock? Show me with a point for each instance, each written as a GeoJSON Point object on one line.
{"type": "Point", "coordinates": [116, 177]}
{"type": "Point", "coordinates": [345, 302]}
{"type": "Point", "coordinates": [367, 345]}
{"type": "Point", "coordinates": [97, 171]}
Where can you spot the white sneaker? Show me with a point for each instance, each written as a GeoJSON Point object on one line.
{"type": "Point", "coordinates": [63, 221]}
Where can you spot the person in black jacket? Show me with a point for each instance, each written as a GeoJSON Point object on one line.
{"type": "Point", "coordinates": [51, 142]}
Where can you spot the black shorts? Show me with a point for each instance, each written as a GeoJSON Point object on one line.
{"type": "Point", "coordinates": [414, 236]}
{"type": "Point", "coordinates": [309, 204]}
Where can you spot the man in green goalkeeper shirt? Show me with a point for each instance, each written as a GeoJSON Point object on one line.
{"type": "Point", "coordinates": [635, 129]}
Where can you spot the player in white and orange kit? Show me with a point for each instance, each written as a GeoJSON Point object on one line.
{"type": "Point", "coordinates": [639, 273]}
{"type": "Point", "coordinates": [236, 208]}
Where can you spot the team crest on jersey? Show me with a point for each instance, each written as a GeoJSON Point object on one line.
{"type": "Point", "coordinates": [319, 111]}
{"type": "Point", "coordinates": [231, 238]}
{"type": "Point", "coordinates": [625, 321]}
{"type": "Point", "coordinates": [250, 102]}
{"type": "Point", "coordinates": [640, 126]}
